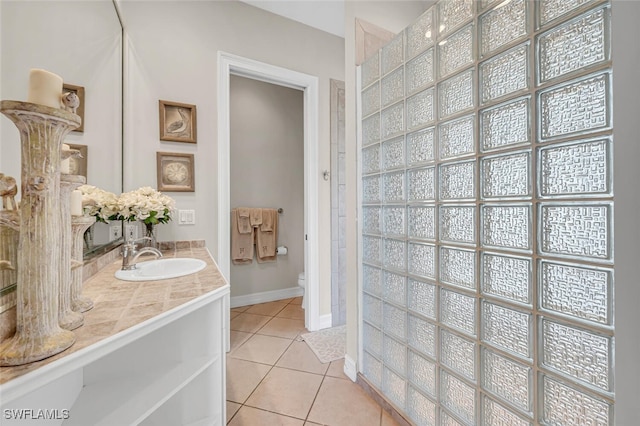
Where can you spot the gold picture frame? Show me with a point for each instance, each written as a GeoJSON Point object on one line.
{"type": "Point", "coordinates": [175, 172]}
{"type": "Point", "coordinates": [78, 90]}
{"type": "Point", "coordinates": [78, 166]}
{"type": "Point", "coordinates": [177, 122]}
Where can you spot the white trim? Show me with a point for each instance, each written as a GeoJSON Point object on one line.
{"type": "Point", "coordinates": [359, 211]}
{"type": "Point", "coordinates": [350, 368]}
{"type": "Point", "coordinates": [324, 321]}
{"type": "Point", "coordinates": [232, 64]}
{"type": "Point", "coordinates": [266, 296]}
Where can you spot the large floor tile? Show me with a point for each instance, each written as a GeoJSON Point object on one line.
{"type": "Point", "coordinates": [248, 416]}
{"type": "Point", "coordinates": [263, 349]}
{"type": "Point", "coordinates": [296, 301]}
{"type": "Point", "coordinates": [248, 323]}
{"type": "Point", "coordinates": [269, 308]}
{"type": "Point", "coordinates": [240, 308]}
{"type": "Point", "coordinates": [232, 408]}
{"type": "Point", "coordinates": [283, 327]}
{"type": "Point", "coordinates": [238, 338]}
{"type": "Point", "coordinates": [291, 311]}
{"type": "Point", "coordinates": [336, 369]}
{"type": "Point", "coordinates": [286, 392]}
{"type": "Point", "coordinates": [300, 357]}
{"type": "Point", "coordinates": [343, 403]}
{"type": "Point", "coordinates": [387, 420]}
{"type": "Point", "coordinates": [242, 378]}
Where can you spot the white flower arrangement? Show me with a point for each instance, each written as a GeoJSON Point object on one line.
{"type": "Point", "coordinates": [146, 205]}
{"type": "Point", "coordinates": [99, 203]}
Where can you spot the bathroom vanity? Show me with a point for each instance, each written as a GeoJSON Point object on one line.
{"type": "Point", "coordinates": [150, 353]}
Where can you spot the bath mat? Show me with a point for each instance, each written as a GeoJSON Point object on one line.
{"type": "Point", "coordinates": [328, 344]}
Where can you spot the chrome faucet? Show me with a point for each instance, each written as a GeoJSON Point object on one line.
{"type": "Point", "coordinates": [130, 254]}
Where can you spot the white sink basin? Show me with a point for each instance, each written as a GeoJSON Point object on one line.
{"type": "Point", "coordinates": [162, 269]}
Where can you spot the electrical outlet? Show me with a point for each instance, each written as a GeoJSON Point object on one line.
{"type": "Point", "coordinates": [130, 232]}
{"type": "Point", "coordinates": [115, 232]}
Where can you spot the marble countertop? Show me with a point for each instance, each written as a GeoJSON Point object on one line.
{"type": "Point", "coordinates": [119, 305]}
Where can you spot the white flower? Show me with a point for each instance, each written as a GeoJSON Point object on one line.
{"type": "Point", "coordinates": [145, 204]}
{"type": "Point", "coordinates": [99, 203]}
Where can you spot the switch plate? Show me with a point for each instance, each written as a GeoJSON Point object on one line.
{"type": "Point", "coordinates": [186, 217]}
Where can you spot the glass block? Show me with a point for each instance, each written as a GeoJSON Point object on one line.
{"type": "Point", "coordinates": [372, 280]}
{"type": "Point", "coordinates": [371, 220]}
{"type": "Point", "coordinates": [506, 175]}
{"type": "Point", "coordinates": [584, 293]}
{"type": "Point", "coordinates": [458, 311]}
{"type": "Point", "coordinates": [505, 125]}
{"type": "Point", "coordinates": [456, 94]}
{"type": "Point", "coordinates": [422, 373]}
{"type": "Point", "coordinates": [372, 309]}
{"type": "Point", "coordinates": [456, 137]}
{"type": "Point", "coordinates": [458, 354]}
{"type": "Point", "coordinates": [392, 87]}
{"type": "Point", "coordinates": [372, 369]}
{"type": "Point", "coordinates": [393, 187]}
{"type": "Point", "coordinates": [421, 185]}
{"type": "Point", "coordinates": [372, 339]}
{"type": "Point", "coordinates": [395, 288]}
{"type": "Point", "coordinates": [507, 379]}
{"type": "Point", "coordinates": [505, 74]}
{"type": "Point", "coordinates": [394, 224]}
{"type": "Point", "coordinates": [392, 54]}
{"type": "Point", "coordinates": [420, 147]}
{"type": "Point", "coordinates": [458, 397]}
{"type": "Point", "coordinates": [421, 259]}
{"type": "Point", "coordinates": [392, 120]}
{"type": "Point", "coordinates": [458, 224]}
{"type": "Point", "coordinates": [506, 226]}
{"type": "Point", "coordinates": [371, 130]}
{"type": "Point", "coordinates": [395, 254]}
{"type": "Point", "coordinates": [394, 387]}
{"type": "Point", "coordinates": [420, 408]}
{"type": "Point", "coordinates": [506, 328]}
{"type": "Point", "coordinates": [578, 107]}
{"type": "Point", "coordinates": [371, 189]}
{"type": "Point", "coordinates": [371, 159]}
{"type": "Point", "coordinates": [486, 3]}
{"type": "Point", "coordinates": [421, 222]}
{"type": "Point", "coordinates": [582, 42]}
{"type": "Point", "coordinates": [393, 153]}
{"type": "Point", "coordinates": [582, 168]}
{"type": "Point", "coordinates": [447, 420]}
{"type": "Point", "coordinates": [456, 51]}
{"type": "Point", "coordinates": [581, 230]}
{"type": "Point", "coordinates": [458, 267]}
{"type": "Point", "coordinates": [457, 181]}
{"type": "Point", "coordinates": [564, 405]}
{"type": "Point", "coordinates": [503, 25]}
{"type": "Point", "coordinates": [420, 109]}
{"type": "Point", "coordinates": [395, 321]}
{"type": "Point", "coordinates": [370, 70]}
{"type": "Point", "coordinates": [371, 249]}
{"type": "Point", "coordinates": [453, 13]}
{"type": "Point", "coordinates": [395, 355]}
{"type": "Point", "coordinates": [371, 99]}
{"type": "Point", "coordinates": [578, 353]}
{"type": "Point", "coordinates": [495, 414]}
{"type": "Point", "coordinates": [422, 335]}
{"type": "Point", "coordinates": [419, 72]}
{"type": "Point", "coordinates": [420, 34]}
{"type": "Point", "coordinates": [507, 277]}
{"type": "Point", "coordinates": [422, 298]}
{"type": "Point", "coordinates": [552, 9]}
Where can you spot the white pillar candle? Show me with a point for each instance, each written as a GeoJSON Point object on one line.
{"type": "Point", "coordinates": [45, 88]}
{"type": "Point", "coordinates": [76, 203]}
{"type": "Point", "coordinates": [65, 164]}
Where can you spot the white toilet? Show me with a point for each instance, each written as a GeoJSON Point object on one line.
{"type": "Point", "coordinates": [301, 283]}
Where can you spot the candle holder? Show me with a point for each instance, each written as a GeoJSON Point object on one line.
{"type": "Point", "coordinates": [38, 333]}
{"type": "Point", "coordinates": [79, 224]}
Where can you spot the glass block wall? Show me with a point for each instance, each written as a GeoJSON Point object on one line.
{"type": "Point", "coordinates": [487, 215]}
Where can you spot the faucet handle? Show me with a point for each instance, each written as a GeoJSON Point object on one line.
{"type": "Point", "coordinates": [139, 240]}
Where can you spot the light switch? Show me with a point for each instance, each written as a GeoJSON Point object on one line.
{"type": "Point", "coordinates": [186, 217]}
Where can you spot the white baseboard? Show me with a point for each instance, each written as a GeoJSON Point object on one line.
{"type": "Point", "coordinates": [325, 321]}
{"type": "Point", "coordinates": [350, 368]}
{"type": "Point", "coordinates": [268, 296]}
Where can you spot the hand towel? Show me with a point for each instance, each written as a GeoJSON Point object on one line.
{"type": "Point", "coordinates": [255, 216]}
{"type": "Point", "coordinates": [244, 225]}
{"type": "Point", "coordinates": [241, 244]}
{"type": "Point", "coordinates": [267, 236]}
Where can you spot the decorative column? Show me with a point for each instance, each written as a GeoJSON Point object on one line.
{"type": "Point", "coordinates": [79, 224]}
{"type": "Point", "coordinates": [69, 318]}
{"type": "Point", "coordinates": [38, 334]}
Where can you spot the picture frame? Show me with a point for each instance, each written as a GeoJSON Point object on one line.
{"type": "Point", "coordinates": [78, 166]}
{"type": "Point", "coordinates": [177, 122]}
{"type": "Point", "coordinates": [175, 172]}
{"type": "Point", "coordinates": [78, 90]}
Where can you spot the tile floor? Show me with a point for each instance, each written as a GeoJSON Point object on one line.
{"type": "Point", "coordinates": [275, 379]}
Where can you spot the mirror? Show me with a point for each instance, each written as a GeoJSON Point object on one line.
{"type": "Point", "coordinates": [82, 43]}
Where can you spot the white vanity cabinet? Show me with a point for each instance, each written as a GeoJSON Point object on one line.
{"type": "Point", "coordinates": [168, 370]}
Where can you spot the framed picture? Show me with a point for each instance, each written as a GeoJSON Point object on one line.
{"type": "Point", "coordinates": [175, 172]}
{"type": "Point", "coordinates": [78, 90]}
{"type": "Point", "coordinates": [177, 122]}
{"type": "Point", "coordinates": [78, 166]}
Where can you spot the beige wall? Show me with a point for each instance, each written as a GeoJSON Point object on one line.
{"type": "Point", "coordinates": [267, 170]}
